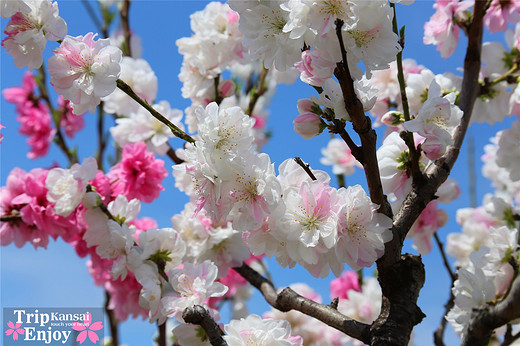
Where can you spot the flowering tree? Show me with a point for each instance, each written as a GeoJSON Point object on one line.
{"type": "Point", "coordinates": [242, 209]}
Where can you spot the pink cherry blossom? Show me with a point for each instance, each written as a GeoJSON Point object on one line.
{"type": "Point", "coordinates": [36, 124]}
{"type": "Point", "coordinates": [24, 199]}
{"type": "Point", "coordinates": [501, 13]}
{"type": "Point", "coordinates": [124, 297]}
{"type": "Point", "coordinates": [338, 154]}
{"type": "Point", "coordinates": [442, 30]}
{"type": "Point", "coordinates": [22, 94]}
{"type": "Point", "coordinates": [425, 226]}
{"type": "Point", "coordinates": [341, 286]}
{"type": "Point", "coordinates": [84, 70]}
{"type": "Point", "coordinates": [69, 122]}
{"type": "Point", "coordinates": [362, 231]}
{"type": "Point", "coordinates": [33, 115]}
{"type": "Point", "coordinates": [139, 174]}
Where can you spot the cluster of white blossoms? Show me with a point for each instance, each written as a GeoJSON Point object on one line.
{"type": "Point", "coordinates": [276, 32]}
{"type": "Point", "coordinates": [32, 23]}
{"type": "Point", "coordinates": [215, 45]}
{"type": "Point", "coordinates": [134, 123]}
{"type": "Point", "coordinates": [67, 187]}
{"type": "Point", "coordinates": [487, 250]}
{"type": "Point", "coordinates": [141, 126]}
{"type": "Point", "coordinates": [290, 216]}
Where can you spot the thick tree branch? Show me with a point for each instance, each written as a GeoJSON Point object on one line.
{"type": "Point", "coordinates": [390, 328]}
{"type": "Point", "coordinates": [485, 320]}
{"type": "Point", "coordinates": [363, 127]}
{"type": "Point", "coordinates": [199, 315]}
{"type": "Point", "coordinates": [288, 300]}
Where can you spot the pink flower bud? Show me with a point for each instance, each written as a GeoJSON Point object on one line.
{"type": "Point", "coordinates": [305, 106]}
{"type": "Point", "coordinates": [316, 67]}
{"type": "Point", "coordinates": [226, 88]}
{"type": "Point", "coordinates": [307, 125]}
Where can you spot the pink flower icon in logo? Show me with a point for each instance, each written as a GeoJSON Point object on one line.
{"type": "Point", "coordinates": [14, 329]}
{"type": "Point", "coordinates": [87, 328]}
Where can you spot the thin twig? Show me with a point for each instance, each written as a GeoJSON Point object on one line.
{"type": "Point", "coordinates": [125, 21]}
{"type": "Point", "coordinates": [444, 257]}
{"type": "Point", "coordinates": [259, 91]}
{"type": "Point", "coordinates": [408, 138]}
{"type": "Point", "coordinates": [92, 15]}
{"type": "Point", "coordinates": [56, 117]}
{"type": "Point", "coordinates": [172, 155]}
{"type": "Point", "coordinates": [15, 216]}
{"type": "Point", "coordinates": [112, 320]}
{"type": "Point", "coordinates": [305, 167]}
{"type": "Point", "coordinates": [101, 136]}
{"type": "Point", "coordinates": [174, 129]}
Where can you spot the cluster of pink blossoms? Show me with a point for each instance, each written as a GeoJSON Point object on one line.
{"type": "Point", "coordinates": [35, 118]}
{"type": "Point", "coordinates": [33, 115]}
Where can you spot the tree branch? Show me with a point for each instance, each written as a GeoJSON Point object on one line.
{"type": "Point", "coordinates": [305, 167]}
{"type": "Point", "coordinates": [125, 21]}
{"type": "Point", "coordinates": [259, 91]}
{"type": "Point", "coordinates": [393, 327]}
{"type": "Point", "coordinates": [288, 300]}
{"type": "Point", "coordinates": [112, 320]}
{"type": "Point", "coordinates": [363, 127]}
{"type": "Point", "coordinates": [199, 315]}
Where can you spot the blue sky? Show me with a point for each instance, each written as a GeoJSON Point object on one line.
{"type": "Point", "coordinates": [57, 277]}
